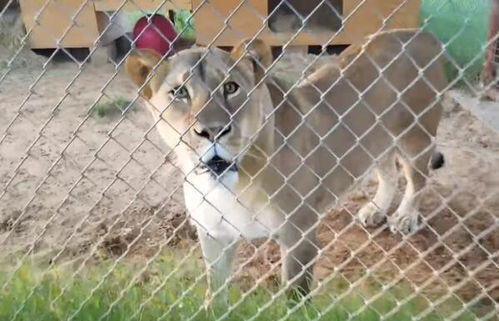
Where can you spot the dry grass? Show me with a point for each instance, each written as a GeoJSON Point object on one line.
{"type": "Point", "coordinates": [13, 44]}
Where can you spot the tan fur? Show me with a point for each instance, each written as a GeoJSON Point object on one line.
{"type": "Point", "coordinates": [298, 149]}
{"type": "Point", "coordinates": [258, 52]}
{"type": "Point", "coordinates": [139, 66]}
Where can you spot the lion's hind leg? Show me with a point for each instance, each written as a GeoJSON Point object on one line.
{"type": "Point", "coordinates": [374, 212]}
{"type": "Point", "coordinates": [405, 218]}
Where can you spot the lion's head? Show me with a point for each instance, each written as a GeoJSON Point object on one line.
{"type": "Point", "coordinates": [207, 102]}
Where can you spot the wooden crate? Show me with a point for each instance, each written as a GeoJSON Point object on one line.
{"type": "Point", "coordinates": [363, 18]}
{"type": "Point", "coordinates": [70, 22]}
{"type": "Point", "coordinates": [74, 23]}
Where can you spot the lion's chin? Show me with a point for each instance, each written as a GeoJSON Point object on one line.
{"type": "Point", "coordinates": [228, 178]}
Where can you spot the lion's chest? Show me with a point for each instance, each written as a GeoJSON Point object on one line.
{"type": "Point", "coordinates": [217, 211]}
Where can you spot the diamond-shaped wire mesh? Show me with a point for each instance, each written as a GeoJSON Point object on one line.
{"type": "Point", "coordinates": [236, 176]}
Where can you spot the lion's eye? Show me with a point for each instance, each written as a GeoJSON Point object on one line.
{"type": "Point", "coordinates": [180, 92]}
{"type": "Point", "coordinates": [230, 88]}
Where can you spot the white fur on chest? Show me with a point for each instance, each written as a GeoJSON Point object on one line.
{"type": "Point", "coordinates": [217, 211]}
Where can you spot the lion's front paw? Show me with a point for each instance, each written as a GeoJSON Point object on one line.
{"type": "Point", "coordinates": [403, 222]}
{"type": "Point", "coordinates": [371, 215]}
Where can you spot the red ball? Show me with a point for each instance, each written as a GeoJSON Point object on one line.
{"type": "Point", "coordinates": [156, 33]}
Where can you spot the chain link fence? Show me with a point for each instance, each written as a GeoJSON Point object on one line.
{"type": "Point", "coordinates": [329, 168]}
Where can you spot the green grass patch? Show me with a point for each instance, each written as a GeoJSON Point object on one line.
{"type": "Point", "coordinates": [114, 107]}
{"type": "Point", "coordinates": [172, 288]}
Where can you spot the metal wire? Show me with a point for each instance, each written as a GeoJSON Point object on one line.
{"type": "Point", "coordinates": [16, 215]}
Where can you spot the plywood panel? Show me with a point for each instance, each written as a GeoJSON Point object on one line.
{"type": "Point", "coordinates": [227, 20]}
{"type": "Point", "coordinates": [370, 15]}
{"type": "Point", "coordinates": [48, 21]}
{"type": "Point", "coordinates": [364, 18]}
{"type": "Point", "coordinates": [110, 5]}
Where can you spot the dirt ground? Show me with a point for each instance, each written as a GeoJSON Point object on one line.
{"type": "Point", "coordinates": [73, 185]}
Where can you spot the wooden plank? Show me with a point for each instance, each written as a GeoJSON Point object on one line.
{"type": "Point", "coordinates": [247, 21]}
{"type": "Point", "coordinates": [146, 5]}
{"type": "Point", "coordinates": [50, 26]}
{"type": "Point", "coordinates": [212, 18]}
{"type": "Point", "coordinates": [371, 13]}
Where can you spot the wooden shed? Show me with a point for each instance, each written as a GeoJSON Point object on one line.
{"type": "Point", "coordinates": [75, 23]}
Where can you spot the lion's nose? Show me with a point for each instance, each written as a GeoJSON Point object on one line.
{"type": "Point", "coordinates": [212, 133]}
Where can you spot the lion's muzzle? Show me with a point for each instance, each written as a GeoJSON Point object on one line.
{"type": "Point", "coordinates": [219, 166]}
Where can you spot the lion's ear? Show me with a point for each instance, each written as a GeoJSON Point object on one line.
{"type": "Point", "coordinates": [257, 52]}
{"type": "Point", "coordinates": [139, 64]}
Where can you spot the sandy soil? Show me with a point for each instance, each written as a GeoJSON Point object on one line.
{"type": "Point", "coordinates": [72, 185]}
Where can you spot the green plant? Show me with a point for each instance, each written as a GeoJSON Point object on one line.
{"type": "Point", "coordinates": [116, 106]}
{"type": "Point", "coordinates": [184, 24]}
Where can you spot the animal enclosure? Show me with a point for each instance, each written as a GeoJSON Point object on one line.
{"type": "Point", "coordinates": [93, 217]}
{"type": "Point", "coordinates": [283, 20]}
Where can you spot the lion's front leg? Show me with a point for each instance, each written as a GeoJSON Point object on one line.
{"type": "Point", "coordinates": [218, 255]}
{"type": "Point", "coordinates": [299, 250]}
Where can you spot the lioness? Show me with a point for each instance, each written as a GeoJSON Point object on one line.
{"type": "Point", "coordinates": [263, 158]}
